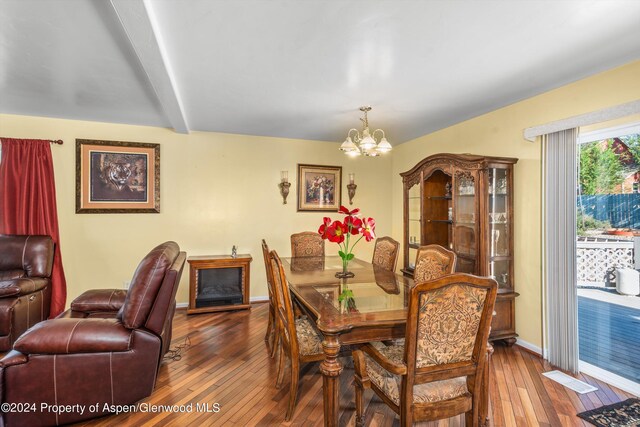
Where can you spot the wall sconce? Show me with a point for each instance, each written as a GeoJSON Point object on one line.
{"type": "Point", "coordinates": [284, 186]}
{"type": "Point", "coordinates": [351, 186]}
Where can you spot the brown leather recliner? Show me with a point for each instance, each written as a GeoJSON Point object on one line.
{"type": "Point", "coordinates": [25, 284]}
{"type": "Point", "coordinates": [104, 351]}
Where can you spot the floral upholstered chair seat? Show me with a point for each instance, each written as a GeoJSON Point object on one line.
{"type": "Point", "coordinates": [309, 341]}
{"type": "Point", "coordinates": [390, 384]}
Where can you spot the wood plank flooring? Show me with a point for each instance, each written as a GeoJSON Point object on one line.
{"type": "Point", "coordinates": [228, 363]}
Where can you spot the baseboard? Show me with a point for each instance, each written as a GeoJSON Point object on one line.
{"type": "Point", "coordinates": [532, 348]}
{"type": "Point", "coordinates": [610, 378]}
{"type": "Point", "coordinates": [251, 300]}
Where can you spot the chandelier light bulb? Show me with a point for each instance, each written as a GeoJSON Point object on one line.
{"type": "Point", "coordinates": [348, 145]}
{"type": "Point", "coordinates": [384, 146]}
{"type": "Point", "coordinates": [367, 142]}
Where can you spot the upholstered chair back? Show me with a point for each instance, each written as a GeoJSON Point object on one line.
{"type": "Point", "coordinates": [161, 316]}
{"type": "Point", "coordinates": [283, 304]}
{"type": "Point", "coordinates": [153, 287]}
{"type": "Point", "coordinates": [307, 243]}
{"type": "Point", "coordinates": [25, 256]}
{"type": "Point", "coordinates": [385, 253]}
{"type": "Point", "coordinates": [433, 262]}
{"type": "Point", "coordinates": [448, 323]}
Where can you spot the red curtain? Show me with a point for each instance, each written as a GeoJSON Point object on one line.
{"type": "Point", "coordinates": [28, 202]}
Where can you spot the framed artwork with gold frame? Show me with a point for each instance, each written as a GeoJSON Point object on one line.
{"type": "Point", "coordinates": [319, 188]}
{"type": "Point", "coordinates": [117, 177]}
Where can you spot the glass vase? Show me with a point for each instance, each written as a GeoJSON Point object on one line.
{"type": "Point", "coordinates": [345, 273]}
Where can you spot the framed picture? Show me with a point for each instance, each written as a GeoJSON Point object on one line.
{"type": "Point", "coordinates": [117, 177]}
{"type": "Point", "coordinates": [319, 188]}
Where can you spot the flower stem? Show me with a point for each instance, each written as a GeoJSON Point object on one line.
{"type": "Point", "coordinates": [354, 245]}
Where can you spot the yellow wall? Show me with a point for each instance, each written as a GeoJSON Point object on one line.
{"type": "Point", "coordinates": [217, 190]}
{"type": "Point", "coordinates": [500, 133]}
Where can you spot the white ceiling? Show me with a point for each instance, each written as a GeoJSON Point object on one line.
{"type": "Point", "coordinates": [300, 69]}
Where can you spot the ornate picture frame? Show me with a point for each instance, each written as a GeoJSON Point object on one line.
{"type": "Point", "coordinates": [117, 177]}
{"type": "Point", "coordinates": [319, 188]}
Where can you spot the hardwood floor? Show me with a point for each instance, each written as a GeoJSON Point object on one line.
{"type": "Point", "coordinates": [228, 363]}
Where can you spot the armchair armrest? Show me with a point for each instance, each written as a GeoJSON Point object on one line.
{"type": "Point", "coordinates": [22, 286]}
{"type": "Point", "coordinates": [65, 336]}
{"type": "Point", "coordinates": [99, 300]}
{"type": "Point", "coordinates": [12, 358]}
{"type": "Point", "coordinates": [384, 361]}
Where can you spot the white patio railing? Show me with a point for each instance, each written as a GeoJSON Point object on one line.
{"type": "Point", "coordinates": [597, 260]}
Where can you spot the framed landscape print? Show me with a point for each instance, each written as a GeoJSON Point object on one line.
{"type": "Point", "coordinates": [117, 177]}
{"type": "Point", "coordinates": [319, 188]}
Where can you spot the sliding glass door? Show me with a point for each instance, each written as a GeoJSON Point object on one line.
{"type": "Point", "coordinates": [608, 284]}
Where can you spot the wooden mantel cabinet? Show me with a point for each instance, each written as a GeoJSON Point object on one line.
{"type": "Point", "coordinates": [464, 202]}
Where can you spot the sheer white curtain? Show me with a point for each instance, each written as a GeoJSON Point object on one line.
{"type": "Point", "coordinates": [559, 225]}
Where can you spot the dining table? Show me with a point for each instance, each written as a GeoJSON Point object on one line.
{"type": "Point", "coordinates": [371, 306]}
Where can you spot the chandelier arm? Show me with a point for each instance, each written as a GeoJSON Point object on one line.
{"type": "Point", "coordinates": [357, 136]}
{"type": "Point", "coordinates": [373, 135]}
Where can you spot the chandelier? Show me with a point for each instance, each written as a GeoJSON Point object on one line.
{"type": "Point", "coordinates": [364, 142]}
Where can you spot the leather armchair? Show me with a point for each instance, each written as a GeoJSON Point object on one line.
{"type": "Point", "coordinates": [105, 350]}
{"type": "Point", "coordinates": [25, 285]}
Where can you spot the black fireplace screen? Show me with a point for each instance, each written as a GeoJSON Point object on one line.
{"type": "Point", "coordinates": [219, 286]}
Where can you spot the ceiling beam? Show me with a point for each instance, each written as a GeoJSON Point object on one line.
{"type": "Point", "coordinates": [141, 26]}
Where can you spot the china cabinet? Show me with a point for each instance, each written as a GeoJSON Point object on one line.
{"type": "Point", "coordinates": [464, 202]}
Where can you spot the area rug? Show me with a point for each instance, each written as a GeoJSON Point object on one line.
{"type": "Point", "coordinates": [621, 414]}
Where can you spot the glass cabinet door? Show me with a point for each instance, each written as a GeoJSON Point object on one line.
{"type": "Point", "coordinates": [465, 220]}
{"type": "Point", "coordinates": [415, 218]}
{"type": "Point", "coordinates": [499, 227]}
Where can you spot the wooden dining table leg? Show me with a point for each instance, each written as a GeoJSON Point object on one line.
{"type": "Point", "coordinates": [331, 369]}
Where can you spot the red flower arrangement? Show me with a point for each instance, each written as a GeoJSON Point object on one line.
{"type": "Point", "coordinates": [341, 232]}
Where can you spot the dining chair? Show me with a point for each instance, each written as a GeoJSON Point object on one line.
{"type": "Point", "coordinates": [272, 337]}
{"type": "Point", "coordinates": [432, 262]}
{"type": "Point", "coordinates": [300, 342]}
{"type": "Point", "coordinates": [385, 253]}
{"type": "Point", "coordinates": [438, 372]}
{"type": "Point", "coordinates": [307, 243]}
